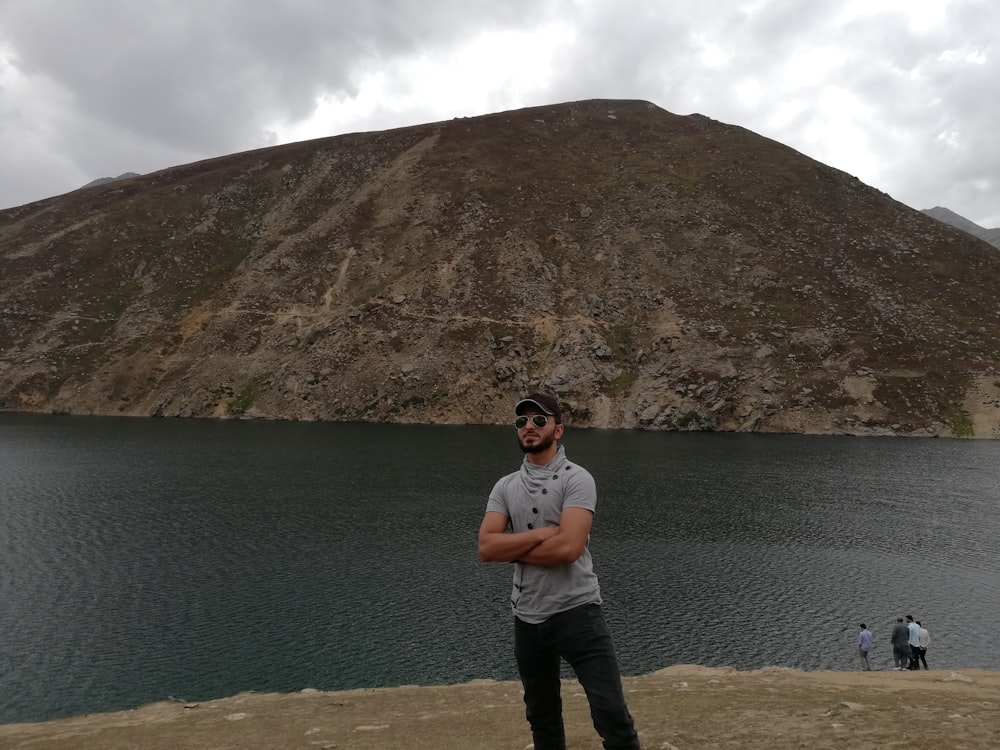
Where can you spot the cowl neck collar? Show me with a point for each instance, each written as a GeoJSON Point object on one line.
{"type": "Point", "coordinates": [533, 471]}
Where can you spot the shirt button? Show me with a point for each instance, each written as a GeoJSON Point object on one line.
{"type": "Point", "coordinates": [545, 492]}
{"type": "Point", "coordinates": [531, 525]}
{"type": "Point", "coordinates": [534, 510]}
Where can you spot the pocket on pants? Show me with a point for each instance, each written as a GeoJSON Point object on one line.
{"type": "Point", "coordinates": [597, 622]}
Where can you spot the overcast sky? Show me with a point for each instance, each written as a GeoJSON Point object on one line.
{"type": "Point", "coordinates": [904, 94]}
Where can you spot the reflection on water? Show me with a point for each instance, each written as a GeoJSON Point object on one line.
{"type": "Point", "coordinates": [146, 558]}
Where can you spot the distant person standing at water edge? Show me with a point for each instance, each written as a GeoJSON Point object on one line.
{"type": "Point", "coordinates": [864, 646]}
{"type": "Point", "coordinates": [913, 632]}
{"type": "Point", "coordinates": [900, 644]}
{"type": "Point", "coordinates": [925, 641]}
{"type": "Point", "coordinates": [548, 506]}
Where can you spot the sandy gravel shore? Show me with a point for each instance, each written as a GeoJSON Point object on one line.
{"type": "Point", "coordinates": [682, 707]}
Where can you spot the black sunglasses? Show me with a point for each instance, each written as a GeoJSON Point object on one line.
{"type": "Point", "coordinates": [539, 420]}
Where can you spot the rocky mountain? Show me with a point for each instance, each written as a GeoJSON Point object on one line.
{"type": "Point", "coordinates": [950, 217]}
{"type": "Point", "coordinates": [655, 271]}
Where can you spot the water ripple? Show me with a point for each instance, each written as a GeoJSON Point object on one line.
{"type": "Point", "coordinates": [147, 558]}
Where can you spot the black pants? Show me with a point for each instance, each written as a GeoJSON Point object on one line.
{"type": "Point", "coordinates": [922, 657]}
{"type": "Point", "coordinates": [581, 637]}
{"type": "Point", "coordinates": [914, 658]}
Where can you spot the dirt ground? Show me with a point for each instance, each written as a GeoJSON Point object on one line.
{"type": "Point", "coordinates": [682, 707]}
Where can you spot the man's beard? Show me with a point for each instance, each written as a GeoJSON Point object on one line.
{"type": "Point", "coordinates": [543, 444]}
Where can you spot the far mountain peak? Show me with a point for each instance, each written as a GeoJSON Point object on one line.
{"type": "Point", "coordinates": [105, 180]}
{"type": "Point", "coordinates": [947, 216]}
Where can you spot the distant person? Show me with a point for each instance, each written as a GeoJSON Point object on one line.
{"type": "Point", "coordinates": [913, 639]}
{"type": "Point", "coordinates": [548, 506]}
{"type": "Point", "coordinates": [900, 640]}
{"type": "Point", "coordinates": [925, 641]}
{"type": "Point", "coordinates": [865, 641]}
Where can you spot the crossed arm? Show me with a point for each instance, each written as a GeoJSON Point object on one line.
{"type": "Point", "coordinates": [551, 545]}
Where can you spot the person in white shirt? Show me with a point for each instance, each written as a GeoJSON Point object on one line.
{"type": "Point", "coordinates": [914, 641]}
{"type": "Point", "coordinates": [925, 641]}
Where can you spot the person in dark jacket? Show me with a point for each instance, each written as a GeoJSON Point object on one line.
{"type": "Point", "coordinates": [900, 644]}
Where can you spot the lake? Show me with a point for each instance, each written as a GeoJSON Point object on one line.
{"type": "Point", "coordinates": [147, 558]}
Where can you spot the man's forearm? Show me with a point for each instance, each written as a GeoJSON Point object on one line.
{"type": "Point", "coordinates": [554, 551]}
{"type": "Point", "coordinates": [504, 547]}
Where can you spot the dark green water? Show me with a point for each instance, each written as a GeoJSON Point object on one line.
{"type": "Point", "coordinates": [143, 558]}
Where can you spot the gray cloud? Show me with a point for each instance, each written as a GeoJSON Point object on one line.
{"type": "Point", "coordinates": [901, 99]}
{"type": "Point", "coordinates": [204, 75]}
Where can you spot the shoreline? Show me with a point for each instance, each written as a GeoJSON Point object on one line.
{"type": "Point", "coordinates": [681, 707]}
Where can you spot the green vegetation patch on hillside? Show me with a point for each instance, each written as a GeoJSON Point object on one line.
{"type": "Point", "coordinates": [248, 394]}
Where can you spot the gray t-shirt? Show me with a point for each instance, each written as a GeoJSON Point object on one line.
{"type": "Point", "coordinates": [535, 497]}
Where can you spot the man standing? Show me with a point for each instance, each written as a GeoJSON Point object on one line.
{"type": "Point", "coordinates": [913, 633]}
{"type": "Point", "coordinates": [864, 646]}
{"type": "Point", "coordinates": [925, 641]}
{"type": "Point", "coordinates": [548, 506]}
{"type": "Point", "coordinates": [900, 644]}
